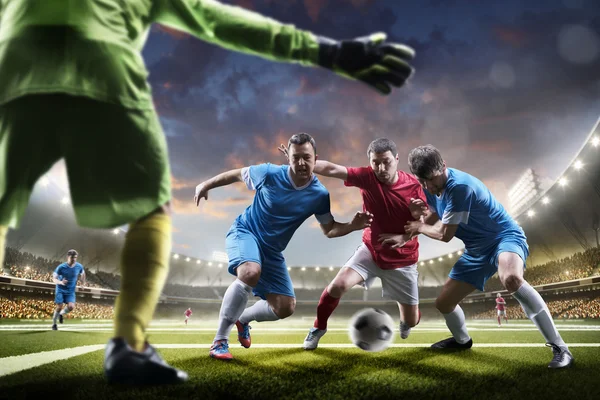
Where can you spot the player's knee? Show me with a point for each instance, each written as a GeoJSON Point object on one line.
{"type": "Point", "coordinates": [512, 282]}
{"type": "Point", "coordinates": [249, 273]}
{"type": "Point", "coordinates": [443, 306]}
{"type": "Point", "coordinates": [336, 290]}
{"type": "Point", "coordinates": [285, 310]}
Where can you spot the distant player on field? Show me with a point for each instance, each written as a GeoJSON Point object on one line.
{"type": "Point", "coordinates": [188, 314]}
{"type": "Point", "coordinates": [65, 276]}
{"type": "Point", "coordinates": [386, 251]}
{"type": "Point", "coordinates": [501, 307]}
{"type": "Point", "coordinates": [286, 196]}
{"type": "Point", "coordinates": [458, 204]}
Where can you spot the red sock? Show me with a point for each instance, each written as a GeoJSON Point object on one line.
{"type": "Point", "coordinates": [325, 308]}
{"type": "Point", "coordinates": [498, 320]}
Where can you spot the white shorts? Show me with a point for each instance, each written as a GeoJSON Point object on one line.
{"type": "Point", "coordinates": [503, 312]}
{"type": "Point", "coordinates": [399, 284]}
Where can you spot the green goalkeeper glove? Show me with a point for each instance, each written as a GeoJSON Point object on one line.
{"type": "Point", "coordinates": [368, 59]}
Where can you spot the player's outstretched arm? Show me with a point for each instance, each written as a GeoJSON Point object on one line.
{"type": "Point", "coordinates": [370, 59]}
{"type": "Point", "coordinates": [438, 231]}
{"type": "Point", "coordinates": [360, 221]}
{"type": "Point", "coordinates": [224, 179]}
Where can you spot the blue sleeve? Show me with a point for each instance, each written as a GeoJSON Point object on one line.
{"type": "Point", "coordinates": [458, 207]}
{"type": "Point", "coordinates": [57, 270]}
{"type": "Point", "coordinates": [255, 175]}
{"type": "Point", "coordinates": [323, 211]}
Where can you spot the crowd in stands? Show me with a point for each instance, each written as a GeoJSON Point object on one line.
{"type": "Point", "coordinates": [578, 266]}
{"type": "Point", "coordinates": [561, 309]}
{"type": "Point", "coordinates": [28, 266]}
{"type": "Point", "coordinates": [44, 309]}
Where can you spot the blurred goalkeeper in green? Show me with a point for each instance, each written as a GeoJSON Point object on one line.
{"type": "Point", "coordinates": [73, 85]}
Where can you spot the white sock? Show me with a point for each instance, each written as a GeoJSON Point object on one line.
{"type": "Point", "coordinates": [260, 311]}
{"type": "Point", "coordinates": [64, 311]}
{"type": "Point", "coordinates": [455, 321]}
{"type": "Point", "coordinates": [537, 311]}
{"type": "Point", "coordinates": [55, 317]}
{"type": "Point", "coordinates": [232, 307]}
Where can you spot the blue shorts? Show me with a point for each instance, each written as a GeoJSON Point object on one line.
{"type": "Point", "coordinates": [477, 269]}
{"type": "Point", "coordinates": [61, 297]}
{"type": "Point", "coordinates": [243, 246]}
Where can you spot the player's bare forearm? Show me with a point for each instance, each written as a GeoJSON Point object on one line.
{"type": "Point", "coordinates": [331, 170]}
{"type": "Point", "coordinates": [338, 229]}
{"type": "Point", "coordinates": [438, 231]}
{"type": "Point", "coordinates": [433, 231]}
{"type": "Point", "coordinates": [224, 179]}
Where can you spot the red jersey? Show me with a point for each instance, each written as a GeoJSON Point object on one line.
{"type": "Point", "coordinates": [188, 313]}
{"type": "Point", "coordinates": [389, 206]}
{"type": "Point", "coordinates": [500, 303]}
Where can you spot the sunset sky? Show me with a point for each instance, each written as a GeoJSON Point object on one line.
{"type": "Point", "coordinates": [500, 86]}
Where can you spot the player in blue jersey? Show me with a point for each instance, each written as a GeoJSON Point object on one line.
{"type": "Point", "coordinates": [461, 205]}
{"type": "Point", "coordinates": [285, 197]}
{"type": "Point", "coordinates": [65, 276]}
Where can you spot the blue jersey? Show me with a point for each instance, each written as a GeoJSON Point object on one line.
{"type": "Point", "coordinates": [482, 221]}
{"type": "Point", "coordinates": [279, 207]}
{"type": "Point", "coordinates": [64, 271]}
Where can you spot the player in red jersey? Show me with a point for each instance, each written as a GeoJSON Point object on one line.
{"type": "Point", "coordinates": [501, 307]}
{"type": "Point", "coordinates": [386, 252]}
{"type": "Point", "coordinates": [188, 314]}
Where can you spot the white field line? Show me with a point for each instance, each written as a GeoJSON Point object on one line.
{"type": "Point", "coordinates": [11, 365]}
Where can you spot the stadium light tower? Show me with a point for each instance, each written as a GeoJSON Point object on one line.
{"type": "Point", "coordinates": [524, 192]}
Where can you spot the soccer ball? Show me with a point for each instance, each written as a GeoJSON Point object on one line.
{"type": "Point", "coordinates": [371, 329]}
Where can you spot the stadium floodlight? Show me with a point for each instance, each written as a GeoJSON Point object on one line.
{"type": "Point", "coordinates": [198, 261]}
{"type": "Point", "coordinates": [331, 268]}
{"type": "Point", "coordinates": [595, 141]}
{"type": "Point", "coordinates": [289, 269]}
{"type": "Point", "coordinates": [220, 265]}
{"type": "Point", "coordinates": [578, 164]}
{"type": "Point", "coordinates": [422, 263]}
{"type": "Point", "coordinates": [27, 268]}
{"type": "Point", "coordinates": [430, 261]}
{"type": "Point", "coordinates": [545, 200]}
{"type": "Point", "coordinates": [440, 259]}
{"type": "Point", "coordinates": [563, 181]}
{"type": "Point", "coordinates": [450, 255]}
{"type": "Point", "coordinates": [303, 269]}
{"type": "Point", "coordinates": [176, 256]}
{"type": "Point", "coordinates": [530, 213]}
{"type": "Point", "coordinates": [317, 269]}
{"type": "Point", "coordinates": [526, 188]}
{"type": "Point", "coordinates": [187, 259]}
{"type": "Point", "coordinates": [116, 231]}
{"type": "Point", "coordinates": [459, 252]}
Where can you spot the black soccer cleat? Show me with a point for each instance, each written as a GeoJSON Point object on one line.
{"type": "Point", "coordinates": [451, 343]}
{"type": "Point", "coordinates": [54, 327]}
{"type": "Point", "coordinates": [562, 357]}
{"type": "Point", "coordinates": [124, 365]}
{"type": "Point", "coordinates": [60, 318]}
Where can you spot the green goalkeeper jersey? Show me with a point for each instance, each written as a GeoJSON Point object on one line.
{"type": "Point", "coordinates": [93, 48]}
